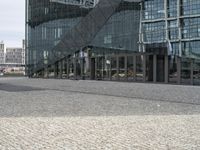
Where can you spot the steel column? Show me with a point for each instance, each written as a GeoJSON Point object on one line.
{"type": "Point", "coordinates": [192, 72]}
{"type": "Point", "coordinates": [117, 59]}
{"type": "Point", "coordinates": [178, 70]}
{"type": "Point", "coordinates": [154, 68]}
{"type": "Point", "coordinates": [166, 69]}
{"type": "Point", "coordinates": [126, 67]}
{"type": "Point", "coordinates": [74, 62]}
{"type": "Point", "coordinates": [134, 67]}
{"type": "Point", "coordinates": [144, 67]}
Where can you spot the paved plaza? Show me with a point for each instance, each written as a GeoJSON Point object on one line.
{"type": "Point", "coordinates": [37, 114]}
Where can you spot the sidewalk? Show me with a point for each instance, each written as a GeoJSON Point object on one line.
{"type": "Point", "coordinates": [64, 114]}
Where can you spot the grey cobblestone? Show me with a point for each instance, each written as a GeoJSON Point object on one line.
{"type": "Point", "coordinates": [65, 115]}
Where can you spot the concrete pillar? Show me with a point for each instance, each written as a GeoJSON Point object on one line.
{"type": "Point", "coordinates": [126, 67]}
{"type": "Point", "coordinates": [55, 70]}
{"type": "Point", "coordinates": [110, 69]}
{"type": "Point", "coordinates": [64, 66]}
{"type": "Point", "coordinates": [144, 68]}
{"type": "Point", "coordinates": [96, 67]}
{"type": "Point", "coordinates": [166, 69]}
{"type": "Point", "coordinates": [74, 62]}
{"type": "Point", "coordinates": [178, 70]}
{"type": "Point", "coordinates": [67, 67]}
{"type": "Point", "coordinates": [82, 68]}
{"type": "Point", "coordinates": [43, 73]}
{"type": "Point", "coordinates": [90, 66]}
{"type": "Point", "coordinates": [46, 72]}
{"type": "Point", "coordinates": [192, 73]}
{"type": "Point", "coordinates": [117, 58]}
{"type": "Point", "coordinates": [154, 68]}
{"type": "Point", "coordinates": [134, 67]}
{"type": "Point", "coordinates": [103, 67]}
{"type": "Point", "coordinates": [60, 65]}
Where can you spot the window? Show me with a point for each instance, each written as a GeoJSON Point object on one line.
{"type": "Point", "coordinates": [191, 28]}
{"type": "Point", "coordinates": [172, 8]}
{"type": "Point", "coordinates": [190, 7]}
{"type": "Point", "coordinates": [153, 9]}
{"type": "Point", "coordinates": [154, 32]}
{"type": "Point", "coordinates": [108, 39]}
{"type": "Point", "coordinates": [173, 30]}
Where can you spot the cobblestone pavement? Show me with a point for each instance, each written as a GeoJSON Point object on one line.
{"type": "Point", "coordinates": [85, 115]}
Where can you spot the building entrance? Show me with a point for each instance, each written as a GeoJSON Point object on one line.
{"type": "Point", "coordinates": [139, 67]}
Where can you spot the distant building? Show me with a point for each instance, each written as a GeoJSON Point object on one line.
{"type": "Point", "coordinates": [2, 53]}
{"type": "Point", "coordinates": [23, 52]}
{"type": "Point", "coordinates": [14, 56]}
{"type": "Point", "coordinates": [12, 59]}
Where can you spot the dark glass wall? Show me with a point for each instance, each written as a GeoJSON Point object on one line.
{"type": "Point", "coordinates": [122, 29]}
{"type": "Point", "coordinates": [56, 29]}
{"type": "Point", "coordinates": [190, 7]}
{"type": "Point", "coordinates": [154, 9]}
{"type": "Point", "coordinates": [174, 22]}
{"type": "Point", "coordinates": [154, 32]}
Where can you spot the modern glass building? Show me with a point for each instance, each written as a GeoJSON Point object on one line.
{"type": "Point", "coordinates": [129, 40]}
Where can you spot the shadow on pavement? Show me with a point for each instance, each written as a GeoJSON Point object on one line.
{"type": "Point", "coordinates": [15, 88]}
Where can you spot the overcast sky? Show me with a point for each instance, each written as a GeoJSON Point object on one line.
{"type": "Point", "coordinates": [12, 22]}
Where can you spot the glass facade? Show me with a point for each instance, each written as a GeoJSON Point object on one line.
{"type": "Point", "coordinates": [154, 32]}
{"type": "Point", "coordinates": [190, 7]}
{"type": "Point", "coordinates": [176, 23]}
{"type": "Point", "coordinates": [58, 28]}
{"type": "Point", "coordinates": [139, 40]}
{"type": "Point", "coordinates": [154, 9]}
